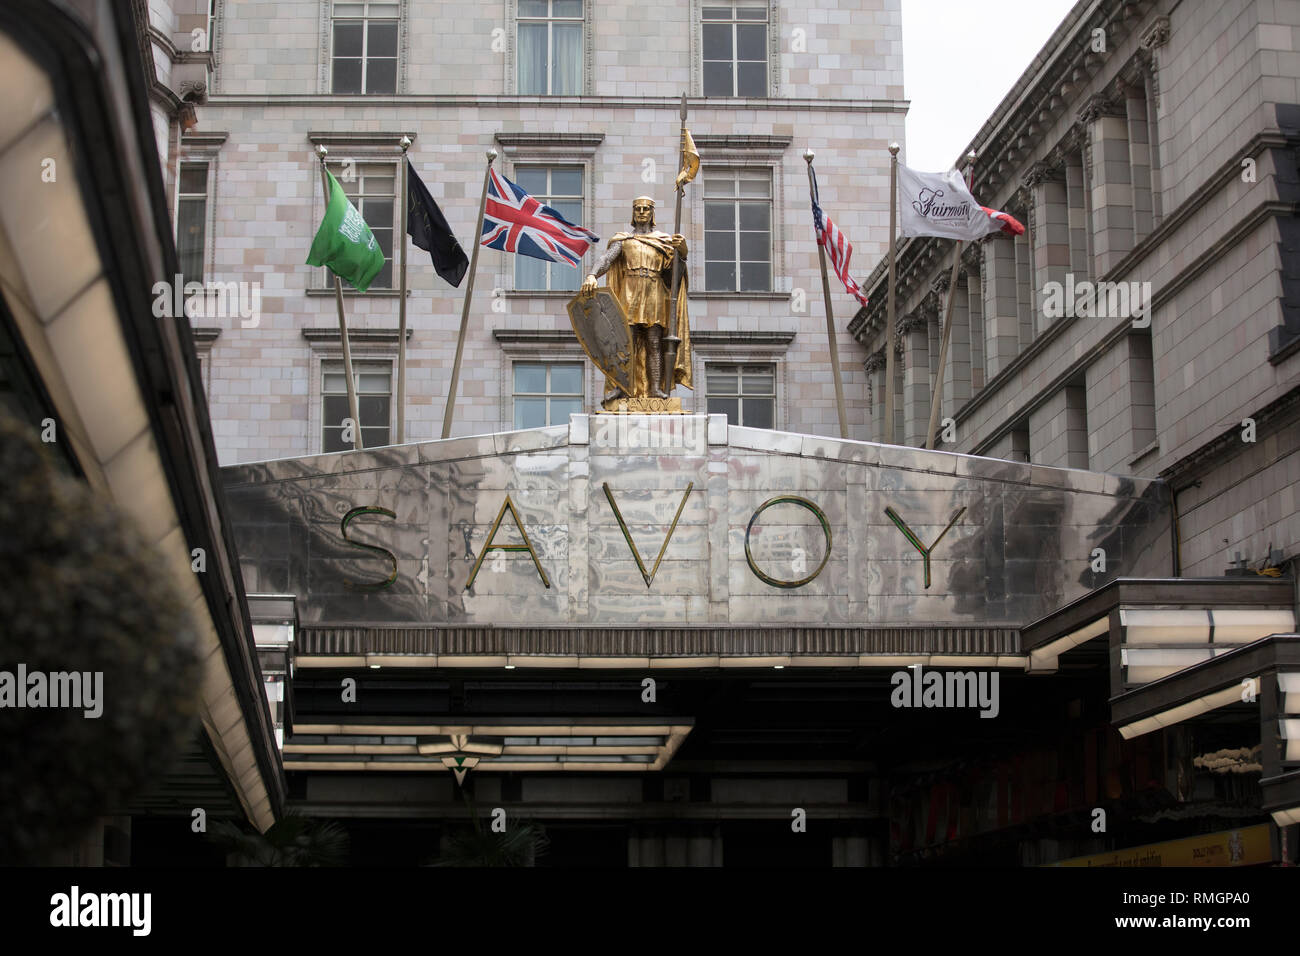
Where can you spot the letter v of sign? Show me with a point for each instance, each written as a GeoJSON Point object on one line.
{"type": "Point", "coordinates": [649, 577]}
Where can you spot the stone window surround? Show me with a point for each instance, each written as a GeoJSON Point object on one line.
{"type": "Point", "coordinates": [773, 51]}
{"type": "Point", "coordinates": [366, 148]}
{"type": "Point", "coordinates": [530, 345]}
{"type": "Point", "coordinates": [550, 149]}
{"type": "Point", "coordinates": [367, 345]}
{"type": "Point", "coordinates": [709, 347]}
{"type": "Point", "coordinates": [511, 78]}
{"type": "Point", "coordinates": [197, 147]}
{"type": "Point", "coordinates": [748, 152]}
{"type": "Point", "coordinates": [326, 47]}
{"type": "Point", "coordinates": [204, 338]}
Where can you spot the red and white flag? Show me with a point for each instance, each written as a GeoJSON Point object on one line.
{"type": "Point", "coordinates": [939, 204]}
{"type": "Point", "coordinates": [838, 247]}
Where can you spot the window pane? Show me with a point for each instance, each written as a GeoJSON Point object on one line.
{"type": "Point", "coordinates": [332, 440]}
{"type": "Point", "coordinates": [565, 276]}
{"type": "Point", "coordinates": [530, 274]}
{"type": "Point", "coordinates": [755, 186]}
{"type": "Point", "coordinates": [751, 43]}
{"type": "Point", "coordinates": [374, 437]}
{"type": "Point", "coordinates": [753, 246]}
{"type": "Point", "coordinates": [530, 412]}
{"type": "Point", "coordinates": [190, 229]}
{"type": "Point", "coordinates": [566, 379]}
{"type": "Point", "coordinates": [717, 41]}
{"type": "Point", "coordinates": [349, 10]}
{"type": "Point", "coordinates": [566, 182]}
{"type": "Point", "coordinates": [347, 76]}
{"type": "Point", "coordinates": [717, 13]}
{"type": "Point", "coordinates": [751, 13]}
{"type": "Point", "coordinates": [752, 80]}
{"type": "Point", "coordinates": [381, 76]}
{"type": "Point", "coordinates": [567, 8]}
{"type": "Point", "coordinates": [725, 406]}
{"type": "Point", "coordinates": [530, 378]}
{"type": "Point", "coordinates": [532, 8]}
{"type": "Point", "coordinates": [562, 408]}
{"type": "Point", "coordinates": [758, 382]}
{"type": "Point", "coordinates": [720, 276]}
{"type": "Point", "coordinates": [383, 39]}
{"type": "Point", "coordinates": [566, 41]}
{"type": "Point", "coordinates": [347, 39]}
{"type": "Point", "coordinates": [372, 382]}
{"type": "Point", "coordinates": [532, 58]}
{"type": "Point", "coordinates": [194, 178]}
{"type": "Point", "coordinates": [378, 213]}
{"type": "Point", "coordinates": [570, 209]}
{"type": "Point", "coordinates": [717, 79]}
{"type": "Point", "coordinates": [719, 184]}
{"type": "Point", "coordinates": [333, 410]}
{"type": "Point", "coordinates": [758, 413]}
{"type": "Point", "coordinates": [720, 215]}
{"type": "Point", "coordinates": [532, 179]}
{"type": "Point", "coordinates": [379, 184]}
{"type": "Point", "coordinates": [720, 245]}
{"type": "Point", "coordinates": [755, 277]}
{"type": "Point", "coordinates": [373, 409]}
{"type": "Point", "coordinates": [384, 280]}
{"type": "Point", "coordinates": [722, 381]}
{"type": "Point", "coordinates": [755, 215]}
{"type": "Point", "coordinates": [334, 382]}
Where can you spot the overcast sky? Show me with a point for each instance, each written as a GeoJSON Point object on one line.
{"type": "Point", "coordinates": [960, 57]}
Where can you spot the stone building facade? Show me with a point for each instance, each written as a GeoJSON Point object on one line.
{"type": "Point", "coordinates": [581, 102]}
{"type": "Point", "coordinates": [1150, 150]}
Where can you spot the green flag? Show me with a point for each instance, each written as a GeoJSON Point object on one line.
{"type": "Point", "coordinates": [344, 243]}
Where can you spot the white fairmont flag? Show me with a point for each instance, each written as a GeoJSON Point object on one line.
{"type": "Point", "coordinates": [939, 204]}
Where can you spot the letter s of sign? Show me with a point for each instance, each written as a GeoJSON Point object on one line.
{"type": "Point", "coordinates": [343, 527]}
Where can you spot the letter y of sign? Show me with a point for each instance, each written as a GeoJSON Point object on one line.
{"type": "Point", "coordinates": [916, 542]}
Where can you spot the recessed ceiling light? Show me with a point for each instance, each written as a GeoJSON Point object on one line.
{"type": "Point", "coordinates": [778, 667]}
{"type": "Point", "coordinates": [374, 667]}
{"type": "Point", "coordinates": [510, 667]}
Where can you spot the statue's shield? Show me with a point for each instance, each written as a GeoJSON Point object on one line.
{"type": "Point", "coordinates": [601, 326]}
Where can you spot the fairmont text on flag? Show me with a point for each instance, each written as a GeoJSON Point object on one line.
{"type": "Point", "coordinates": [939, 204]}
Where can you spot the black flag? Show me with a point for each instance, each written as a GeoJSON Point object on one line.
{"type": "Point", "coordinates": [428, 229]}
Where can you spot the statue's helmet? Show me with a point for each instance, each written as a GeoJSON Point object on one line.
{"type": "Point", "coordinates": [642, 200]}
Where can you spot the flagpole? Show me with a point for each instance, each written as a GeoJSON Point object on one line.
{"type": "Point", "coordinates": [405, 143]}
{"type": "Point", "coordinates": [673, 338]}
{"type": "Point", "coordinates": [889, 332]}
{"type": "Point", "coordinates": [469, 292]}
{"type": "Point", "coordinates": [947, 320]}
{"type": "Point", "coordinates": [357, 444]}
{"type": "Point", "coordinates": [830, 318]}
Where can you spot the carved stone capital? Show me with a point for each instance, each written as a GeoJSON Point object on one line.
{"type": "Point", "coordinates": [875, 362]}
{"type": "Point", "coordinates": [1096, 106]}
{"type": "Point", "coordinates": [1041, 172]}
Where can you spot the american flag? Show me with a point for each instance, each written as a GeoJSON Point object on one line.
{"type": "Point", "coordinates": [838, 247]}
{"type": "Point", "coordinates": [516, 222]}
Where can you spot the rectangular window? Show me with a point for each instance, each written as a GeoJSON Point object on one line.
{"type": "Point", "coordinates": [735, 49]}
{"type": "Point", "coordinates": [365, 47]}
{"type": "Point", "coordinates": [192, 219]}
{"type": "Point", "coordinates": [738, 231]}
{"type": "Point", "coordinates": [550, 47]}
{"type": "Point", "coordinates": [546, 393]}
{"type": "Point", "coordinates": [746, 394]}
{"type": "Point", "coordinates": [559, 187]}
{"type": "Point", "coordinates": [374, 403]}
{"type": "Point", "coordinates": [371, 187]}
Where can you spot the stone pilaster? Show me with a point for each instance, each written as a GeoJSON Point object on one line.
{"type": "Point", "coordinates": [1051, 233]}
{"type": "Point", "coordinates": [914, 334]}
{"type": "Point", "coordinates": [1001, 318]}
{"type": "Point", "coordinates": [1111, 182]}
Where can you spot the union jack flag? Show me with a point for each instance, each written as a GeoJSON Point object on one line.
{"type": "Point", "coordinates": [516, 222]}
{"type": "Point", "coordinates": [838, 247]}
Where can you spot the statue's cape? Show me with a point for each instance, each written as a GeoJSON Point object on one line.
{"type": "Point", "coordinates": [660, 240]}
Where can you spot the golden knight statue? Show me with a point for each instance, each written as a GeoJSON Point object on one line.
{"type": "Point", "coordinates": [639, 265]}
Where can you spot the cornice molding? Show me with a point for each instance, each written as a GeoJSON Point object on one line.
{"type": "Point", "coordinates": [378, 139]}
